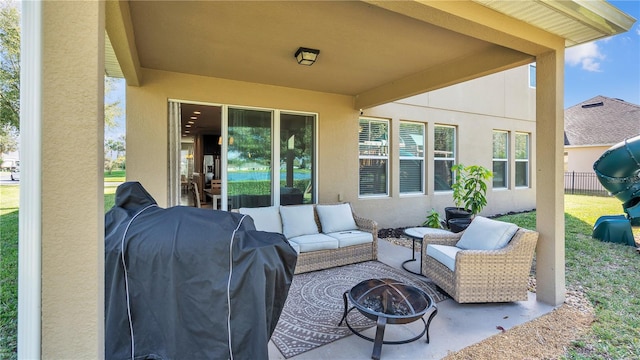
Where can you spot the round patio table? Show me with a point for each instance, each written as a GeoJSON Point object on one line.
{"type": "Point", "coordinates": [417, 234]}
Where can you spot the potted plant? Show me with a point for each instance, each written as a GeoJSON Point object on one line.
{"type": "Point", "coordinates": [469, 195]}
{"type": "Point", "coordinates": [433, 220]}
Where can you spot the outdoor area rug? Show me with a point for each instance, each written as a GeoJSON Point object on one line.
{"type": "Point", "coordinates": [315, 305]}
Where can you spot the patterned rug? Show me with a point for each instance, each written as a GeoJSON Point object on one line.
{"type": "Point", "coordinates": [315, 305]}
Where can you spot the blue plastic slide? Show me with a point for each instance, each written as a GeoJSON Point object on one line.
{"type": "Point", "coordinates": [618, 171]}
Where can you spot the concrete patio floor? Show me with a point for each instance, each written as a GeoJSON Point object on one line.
{"type": "Point", "coordinates": [455, 327]}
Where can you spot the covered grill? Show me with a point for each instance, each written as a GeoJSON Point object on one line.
{"type": "Point", "coordinates": [188, 283]}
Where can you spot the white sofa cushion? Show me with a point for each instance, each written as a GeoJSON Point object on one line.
{"type": "Point", "coordinates": [315, 242]}
{"type": "Point", "coordinates": [298, 220]}
{"type": "Point", "coordinates": [264, 218]}
{"type": "Point", "coordinates": [446, 255]}
{"type": "Point", "coordinates": [486, 234]}
{"type": "Point", "coordinates": [352, 237]}
{"type": "Point", "coordinates": [295, 246]}
{"type": "Point", "coordinates": [335, 218]}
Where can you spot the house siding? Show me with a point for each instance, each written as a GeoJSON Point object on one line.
{"type": "Point", "coordinates": [476, 108]}
{"type": "Point", "coordinates": [500, 101]}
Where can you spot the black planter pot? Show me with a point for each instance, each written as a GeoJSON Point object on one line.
{"type": "Point", "coordinates": [456, 213]}
{"type": "Point", "coordinates": [458, 224]}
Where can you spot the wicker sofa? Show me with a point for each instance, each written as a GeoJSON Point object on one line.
{"type": "Point", "coordinates": [344, 239]}
{"type": "Point", "coordinates": [480, 275]}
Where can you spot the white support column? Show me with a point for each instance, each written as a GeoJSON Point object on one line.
{"type": "Point", "coordinates": [549, 162]}
{"type": "Point", "coordinates": [29, 254]}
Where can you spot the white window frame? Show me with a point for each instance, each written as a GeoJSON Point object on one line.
{"type": "Point", "coordinates": [528, 166]}
{"type": "Point", "coordinates": [384, 155]}
{"type": "Point", "coordinates": [421, 159]}
{"type": "Point", "coordinates": [453, 158]}
{"type": "Point", "coordinates": [505, 160]}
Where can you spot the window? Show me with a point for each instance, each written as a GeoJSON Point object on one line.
{"type": "Point", "coordinates": [500, 159]}
{"type": "Point", "coordinates": [411, 144]}
{"type": "Point", "coordinates": [532, 76]}
{"type": "Point", "coordinates": [297, 148]}
{"type": "Point", "coordinates": [522, 160]}
{"type": "Point", "coordinates": [444, 153]}
{"type": "Point", "coordinates": [374, 156]}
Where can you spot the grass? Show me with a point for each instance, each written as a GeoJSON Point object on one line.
{"type": "Point", "coordinates": [9, 200]}
{"type": "Point", "coordinates": [608, 275]}
{"type": "Point", "coordinates": [606, 272]}
{"type": "Point", "coordinates": [115, 176]}
{"type": "Point", "coordinates": [8, 271]}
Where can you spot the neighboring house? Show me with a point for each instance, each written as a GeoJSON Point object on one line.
{"type": "Point", "coordinates": [239, 58]}
{"type": "Point", "coordinates": [593, 126]}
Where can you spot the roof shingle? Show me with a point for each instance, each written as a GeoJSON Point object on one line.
{"type": "Point", "coordinates": [601, 121]}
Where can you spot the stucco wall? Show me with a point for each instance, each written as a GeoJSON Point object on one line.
{"type": "Point", "coordinates": [147, 126]}
{"type": "Point", "coordinates": [72, 202]}
{"type": "Point", "coordinates": [581, 159]}
{"type": "Point", "coordinates": [501, 101]}
{"type": "Point", "coordinates": [338, 135]}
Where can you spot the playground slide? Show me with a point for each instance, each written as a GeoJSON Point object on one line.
{"type": "Point", "coordinates": [618, 170]}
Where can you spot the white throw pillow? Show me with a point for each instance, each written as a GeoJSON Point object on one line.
{"type": "Point", "coordinates": [298, 220]}
{"type": "Point", "coordinates": [334, 218]}
{"type": "Point", "coordinates": [486, 234]}
{"type": "Point", "coordinates": [264, 218]}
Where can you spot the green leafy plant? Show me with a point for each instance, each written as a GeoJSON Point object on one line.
{"type": "Point", "coordinates": [470, 187]}
{"type": "Point", "coordinates": [433, 220]}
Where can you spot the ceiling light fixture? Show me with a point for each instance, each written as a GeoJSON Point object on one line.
{"type": "Point", "coordinates": [306, 56]}
{"type": "Point", "coordinates": [194, 118]}
{"type": "Point", "coordinates": [197, 112]}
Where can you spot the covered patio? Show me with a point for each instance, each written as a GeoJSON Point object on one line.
{"type": "Point", "coordinates": [372, 53]}
{"type": "Point", "coordinates": [455, 326]}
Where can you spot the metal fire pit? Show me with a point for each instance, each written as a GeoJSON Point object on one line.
{"type": "Point", "coordinates": [388, 301]}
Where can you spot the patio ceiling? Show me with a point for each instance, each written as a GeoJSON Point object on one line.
{"type": "Point", "coordinates": [375, 51]}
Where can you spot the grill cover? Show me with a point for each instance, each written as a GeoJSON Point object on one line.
{"type": "Point", "coordinates": [198, 283]}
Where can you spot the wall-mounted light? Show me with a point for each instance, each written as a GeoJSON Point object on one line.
{"type": "Point", "coordinates": [306, 56]}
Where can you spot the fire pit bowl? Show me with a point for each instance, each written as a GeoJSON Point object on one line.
{"type": "Point", "coordinates": [388, 301]}
{"type": "Point", "coordinates": [398, 302]}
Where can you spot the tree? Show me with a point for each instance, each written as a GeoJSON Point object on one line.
{"type": "Point", "coordinates": [9, 68]}
{"type": "Point", "coordinates": [112, 108]}
{"type": "Point", "coordinates": [8, 136]}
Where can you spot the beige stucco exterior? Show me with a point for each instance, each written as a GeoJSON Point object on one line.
{"type": "Point", "coordinates": [72, 219]}
{"type": "Point", "coordinates": [582, 158]}
{"type": "Point", "coordinates": [502, 101]}
{"type": "Point", "coordinates": [69, 211]}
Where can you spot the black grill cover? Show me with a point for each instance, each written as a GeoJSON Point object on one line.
{"type": "Point", "coordinates": [198, 283]}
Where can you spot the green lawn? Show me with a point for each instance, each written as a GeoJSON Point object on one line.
{"type": "Point", "coordinates": [608, 274]}
{"type": "Point", "coordinates": [115, 176]}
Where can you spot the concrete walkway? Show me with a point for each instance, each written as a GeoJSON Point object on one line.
{"type": "Point", "coordinates": [455, 327]}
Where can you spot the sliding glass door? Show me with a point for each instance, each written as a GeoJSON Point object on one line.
{"type": "Point", "coordinates": [264, 157]}
{"type": "Point", "coordinates": [296, 158]}
{"type": "Point", "coordinates": [249, 156]}
{"type": "Point", "coordinates": [254, 160]}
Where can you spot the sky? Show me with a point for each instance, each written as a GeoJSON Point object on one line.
{"type": "Point", "coordinates": [609, 67]}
